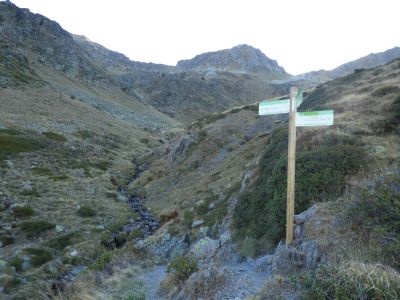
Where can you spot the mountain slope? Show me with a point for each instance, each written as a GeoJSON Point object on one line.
{"type": "Point", "coordinates": [367, 62]}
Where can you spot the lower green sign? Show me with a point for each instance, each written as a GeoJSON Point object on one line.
{"type": "Point", "coordinates": [314, 118]}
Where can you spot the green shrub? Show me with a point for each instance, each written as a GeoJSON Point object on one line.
{"type": "Point", "coordinates": [42, 171]}
{"type": "Point", "coordinates": [101, 261]}
{"type": "Point", "coordinates": [182, 267]}
{"type": "Point", "coordinates": [321, 169]}
{"type": "Point", "coordinates": [102, 165]}
{"type": "Point", "coordinates": [30, 193]}
{"type": "Point", "coordinates": [84, 134]}
{"type": "Point", "coordinates": [188, 217]}
{"type": "Point", "coordinates": [86, 212]}
{"type": "Point", "coordinates": [16, 262]}
{"type": "Point", "coordinates": [39, 256]}
{"type": "Point", "coordinates": [385, 90]}
{"type": "Point", "coordinates": [135, 234]}
{"type": "Point", "coordinates": [12, 143]}
{"type": "Point", "coordinates": [35, 228]}
{"type": "Point", "coordinates": [61, 242]}
{"type": "Point", "coordinates": [144, 141]}
{"type": "Point", "coordinates": [202, 135]}
{"type": "Point", "coordinates": [348, 281]}
{"type": "Point", "coordinates": [23, 211]}
{"type": "Point", "coordinates": [7, 240]}
{"type": "Point", "coordinates": [55, 136]}
{"type": "Point", "coordinates": [60, 177]}
{"type": "Point", "coordinates": [375, 215]}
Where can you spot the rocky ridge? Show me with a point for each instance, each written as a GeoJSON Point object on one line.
{"type": "Point", "coordinates": [242, 58]}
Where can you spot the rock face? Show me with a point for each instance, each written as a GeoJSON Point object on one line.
{"type": "Point", "coordinates": [303, 253]}
{"type": "Point", "coordinates": [239, 58]}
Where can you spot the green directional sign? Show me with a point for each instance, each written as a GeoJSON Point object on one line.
{"type": "Point", "coordinates": [314, 118]}
{"type": "Point", "coordinates": [273, 107]}
{"type": "Point", "coordinates": [299, 97]}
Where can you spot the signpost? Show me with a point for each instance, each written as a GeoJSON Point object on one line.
{"type": "Point", "coordinates": [296, 119]}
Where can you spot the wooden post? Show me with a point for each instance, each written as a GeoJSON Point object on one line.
{"type": "Point", "coordinates": [291, 167]}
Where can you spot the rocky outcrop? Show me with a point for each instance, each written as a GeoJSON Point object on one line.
{"type": "Point", "coordinates": [178, 151]}
{"type": "Point", "coordinates": [240, 58]}
{"type": "Point", "coordinates": [303, 254]}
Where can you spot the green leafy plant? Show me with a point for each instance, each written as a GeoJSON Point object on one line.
{"type": "Point", "coordinates": [39, 256]}
{"type": "Point", "coordinates": [55, 136]}
{"type": "Point", "coordinates": [182, 267]}
{"type": "Point", "coordinates": [61, 242]}
{"type": "Point", "coordinates": [42, 171]}
{"type": "Point", "coordinates": [86, 212]}
{"type": "Point", "coordinates": [321, 169]}
{"type": "Point", "coordinates": [35, 228]}
{"type": "Point", "coordinates": [12, 142]}
{"type": "Point", "coordinates": [23, 211]}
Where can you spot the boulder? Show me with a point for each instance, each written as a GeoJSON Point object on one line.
{"type": "Point", "coordinates": [197, 223]}
{"type": "Point", "coordinates": [205, 248]}
{"type": "Point", "coordinates": [203, 284]}
{"type": "Point", "coordinates": [287, 260]}
{"type": "Point", "coordinates": [60, 228]}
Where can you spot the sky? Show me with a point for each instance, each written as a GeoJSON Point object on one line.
{"type": "Point", "coordinates": [302, 35]}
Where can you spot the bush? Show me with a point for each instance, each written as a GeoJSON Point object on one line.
{"type": "Point", "coordinates": [35, 228]}
{"type": "Point", "coordinates": [84, 134]}
{"type": "Point", "coordinates": [23, 211]}
{"type": "Point", "coordinates": [188, 217]}
{"type": "Point", "coordinates": [7, 240]}
{"type": "Point", "coordinates": [30, 193]}
{"type": "Point", "coordinates": [60, 177]}
{"type": "Point", "coordinates": [55, 136]}
{"type": "Point", "coordinates": [86, 212]}
{"type": "Point", "coordinates": [321, 169]}
{"type": "Point", "coordinates": [375, 215]}
{"type": "Point", "coordinates": [16, 262]}
{"type": "Point", "coordinates": [385, 90]}
{"type": "Point", "coordinates": [11, 142]}
{"type": "Point", "coordinates": [349, 281]}
{"type": "Point", "coordinates": [101, 261]}
{"type": "Point", "coordinates": [182, 267]}
{"type": "Point", "coordinates": [61, 242]}
{"type": "Point", "coordinates": [39, 256]}
{"type": "Point", "coordinates": [41, 171]}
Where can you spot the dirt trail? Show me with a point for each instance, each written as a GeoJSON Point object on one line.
{"type": "Point", "coordinates": [245, 279]}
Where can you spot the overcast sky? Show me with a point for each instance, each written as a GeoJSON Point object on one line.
{"type": "Point", "coordinates": [301, 35]}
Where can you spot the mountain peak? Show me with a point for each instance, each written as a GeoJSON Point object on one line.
{"type": "Point", "coordinates": [242, 58]}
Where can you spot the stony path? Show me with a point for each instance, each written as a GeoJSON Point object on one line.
{"type": "Point", "coordinates": [151, 278]}
{"type": "Point", "coordinates": [245, 279]}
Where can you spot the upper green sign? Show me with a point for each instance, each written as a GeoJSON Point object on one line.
{"type": "Point", "coordinates": [278, 106]}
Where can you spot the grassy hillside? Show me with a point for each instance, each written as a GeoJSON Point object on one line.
{"type": "Point", "coordinates": [365, 138]}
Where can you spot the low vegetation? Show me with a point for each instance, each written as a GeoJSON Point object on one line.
{"type": "Point", "coordinates": [35, 228]}
{"type": "Point", "coordinates": [13, 142]}
{"type": "Point", "coordinates": [322, 165]}
{"type": "Point", "coordinates": [349, 281]}
{"type": "Point", "coordinates": [23, 211]}
{"type": "Point", "coordinates": [55, 136]}
{"type": "Point", "coordinates": [86, 212]}
{"type": "Point", "coordinates": [38, 256]}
